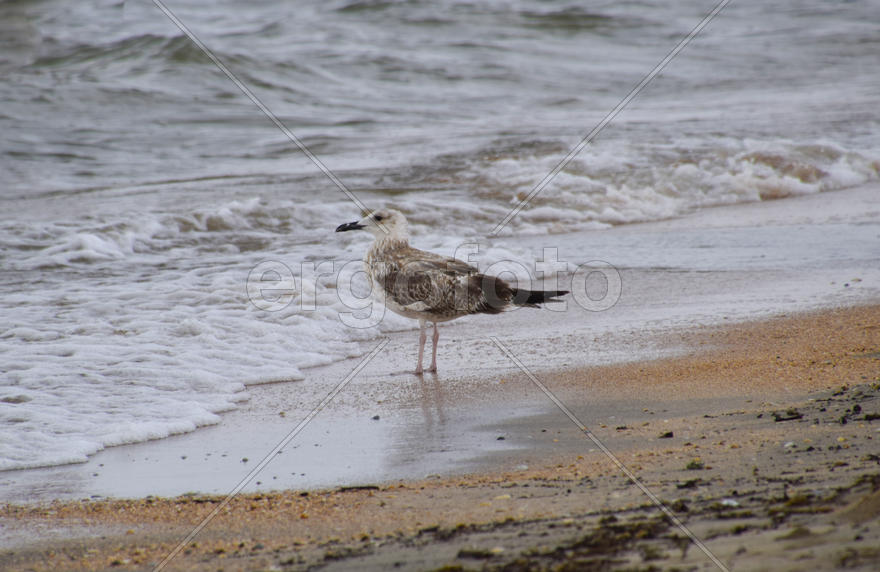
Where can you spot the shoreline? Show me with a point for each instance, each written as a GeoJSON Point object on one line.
{"type": "Point", "coordinates": [753, 439]}
{"type": "Point", "coordinates": [722, 265]}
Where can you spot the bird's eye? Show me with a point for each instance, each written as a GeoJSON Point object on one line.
{"type": "Point", "coordinates": [378, 217]}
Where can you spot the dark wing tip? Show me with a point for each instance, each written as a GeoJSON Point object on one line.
{"type": "Point", "coordinates": [536, 297]}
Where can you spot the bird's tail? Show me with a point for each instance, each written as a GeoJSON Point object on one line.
{"type": "Point", "coordinates": [534, 298]}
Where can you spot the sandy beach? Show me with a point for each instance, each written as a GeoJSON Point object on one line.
{"type": "Point", "coordinates": [762, 439]}
{"type": "Point", "coordinates": [195, 374]}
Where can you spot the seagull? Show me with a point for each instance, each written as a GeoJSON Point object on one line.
{"type": "Point", "coordinates": [430, 287]}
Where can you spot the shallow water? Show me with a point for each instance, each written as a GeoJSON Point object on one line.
{"type": "Point", "coordinates": [139, 188]}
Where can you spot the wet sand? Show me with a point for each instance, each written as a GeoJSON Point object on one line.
{"type": "Point", "coordinates": [763, 439]}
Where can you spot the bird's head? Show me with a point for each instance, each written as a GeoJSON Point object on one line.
{"type": "Point", "coordinates": [383, 223]}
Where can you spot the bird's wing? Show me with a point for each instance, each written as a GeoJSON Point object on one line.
{"type": "Point", "coordinates": [415, 260]}
{"type": "Point", "coordinates": [429, 282]}
{"type": "Point", "coordinates": [420, 290]}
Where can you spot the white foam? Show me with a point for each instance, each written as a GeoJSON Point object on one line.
{"type": "Point", "coordinates": [654, 182]}
{"type": "Point", "coordinates": [116, 344]}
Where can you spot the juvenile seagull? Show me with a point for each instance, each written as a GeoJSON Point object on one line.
{"type": "Point", "coordinates": [429, 287]}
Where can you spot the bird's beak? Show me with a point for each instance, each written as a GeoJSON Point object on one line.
{"type": "Point", "coordinates": [356, 225]}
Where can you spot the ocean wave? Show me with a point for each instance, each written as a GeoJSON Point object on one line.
{"type": "Point", "coordinates": [575, 19]}
{"type": "Point", "coordinates": [133, 51]}
{"type": "Point", "coordinates": [604, 187]}
{"type": "Point", "coordinates": [241, 222]}
{"type": "Point", "coordinates": [616, 184]}
{"type": "Point", "coordinates": [613, 186]}
{"type": "Point", "coordinates": [58, 53]}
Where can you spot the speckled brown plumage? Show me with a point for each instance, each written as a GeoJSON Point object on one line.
{"type": "Point", "coordinates": [429, 287]}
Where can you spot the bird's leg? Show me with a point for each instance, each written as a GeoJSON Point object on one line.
{"type": "Point", "coordinates": [422, 337]}
{"type": "Point", "coordinates": [434, 348]}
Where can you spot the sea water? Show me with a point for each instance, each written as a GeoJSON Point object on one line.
{"type": "Point", "coordinates": [140, 188]}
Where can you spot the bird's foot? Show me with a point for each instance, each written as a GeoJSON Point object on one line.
{"type": "Point", "coordinates": [419, 371]}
